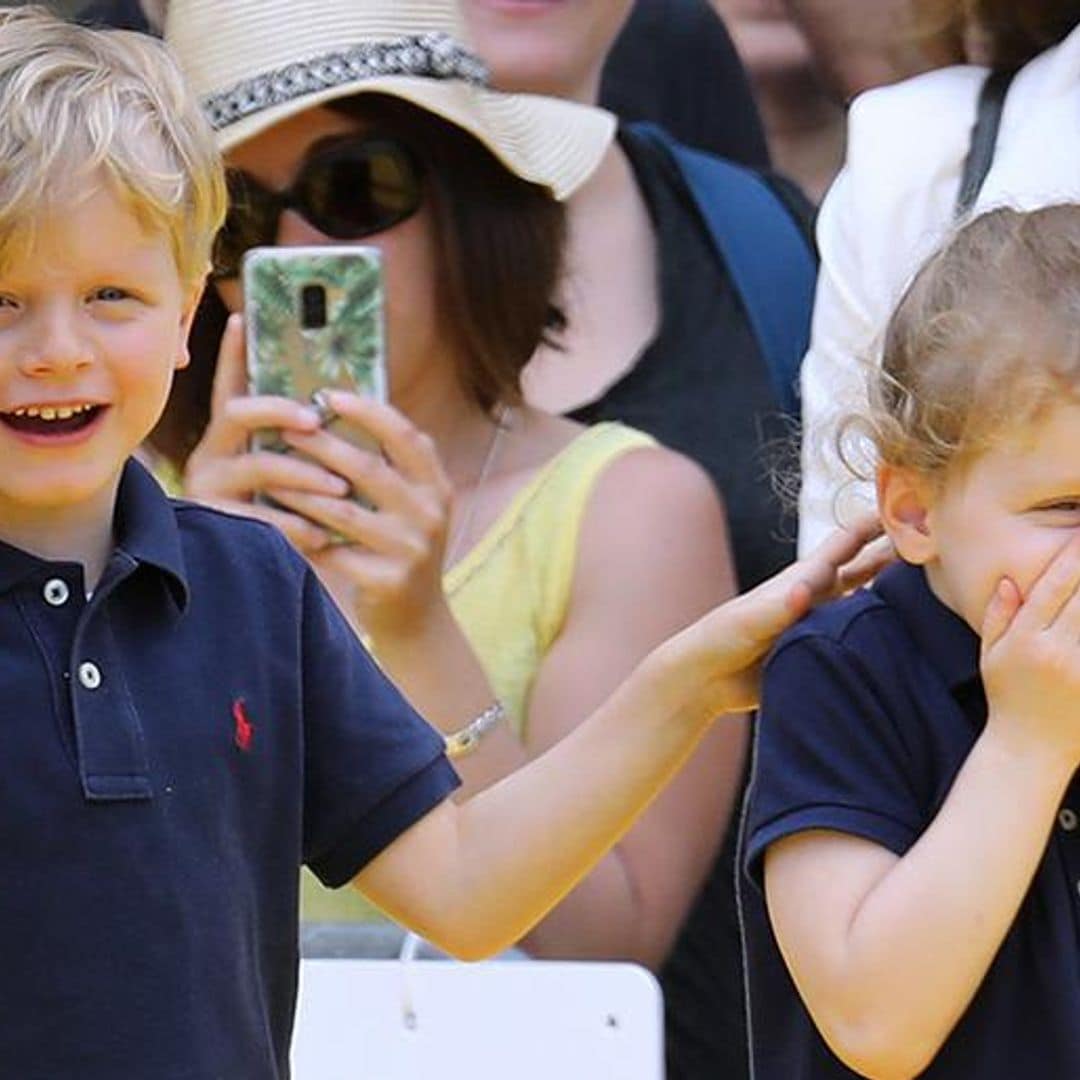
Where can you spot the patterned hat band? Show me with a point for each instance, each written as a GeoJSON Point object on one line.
{"type": "Point", "coordinates": [429, 56]}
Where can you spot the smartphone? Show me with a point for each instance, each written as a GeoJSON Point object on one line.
{"type": "Point", "coordinates": [314, 319]}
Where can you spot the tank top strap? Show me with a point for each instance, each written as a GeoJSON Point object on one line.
{"type": "Point", "coordinates": [543, 522]}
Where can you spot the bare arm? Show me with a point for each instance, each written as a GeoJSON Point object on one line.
{"type": "Point", "coordinates": [888, 953]}
{"type": "Point", "coordinates": [652, 557]}
{"type": "Point", "coordinates": [475, 877]}
{"type": "Point", "coordinates": [389, 579]}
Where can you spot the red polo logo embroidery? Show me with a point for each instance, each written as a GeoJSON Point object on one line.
{"type": "Point", "coordinates": [244, 730]}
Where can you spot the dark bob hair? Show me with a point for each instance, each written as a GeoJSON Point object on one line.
{"type": "Point", "coordinates": [499, 247]}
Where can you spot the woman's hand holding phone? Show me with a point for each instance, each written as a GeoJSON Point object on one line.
{"type": "Point", "coordinates": [390, 566]}
{"type": "Point", "coordinates": [222, 471]}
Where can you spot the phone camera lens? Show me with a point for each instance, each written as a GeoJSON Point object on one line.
{"type": "Point", "coordinates": [313, 307]}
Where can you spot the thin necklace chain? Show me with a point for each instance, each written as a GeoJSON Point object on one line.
{"type": "Point", "coordinates": [501, 425]}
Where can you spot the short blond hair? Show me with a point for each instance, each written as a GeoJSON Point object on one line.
{"type": "Point", "coordinates": [76, 103]}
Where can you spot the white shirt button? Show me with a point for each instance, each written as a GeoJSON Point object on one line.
{"type": "Point", "coordinates": [56, 592]}
{"type": "Point", "coordinates": [1067, 819]}
{"type": "Point", "coordinates": [89, 675]}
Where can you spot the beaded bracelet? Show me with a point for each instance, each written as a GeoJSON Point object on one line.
{"type": "Point", "coordinates": [468, 738]}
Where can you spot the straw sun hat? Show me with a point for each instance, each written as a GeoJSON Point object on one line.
{"type": "Point", "coordinates": [254, 63]}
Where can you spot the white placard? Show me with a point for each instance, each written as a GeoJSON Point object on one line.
{"type": "Point", "coordinates": [539, 1020]}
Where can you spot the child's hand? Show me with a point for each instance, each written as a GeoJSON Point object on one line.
{"type": "Point", "coordinates": [389, 571]}
{"type": "Point", "coordinates": [224, 473]}
{"type": "Point", "coordinates": [1031, 660]}
{"type": "Point", "coordinates": [720, 655]}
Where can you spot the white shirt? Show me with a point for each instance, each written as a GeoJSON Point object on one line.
{"type": "Point", "coordinates": [891, 207]}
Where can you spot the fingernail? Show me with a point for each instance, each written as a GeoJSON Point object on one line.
{"type": "Point", "coordinates": [335, 398]}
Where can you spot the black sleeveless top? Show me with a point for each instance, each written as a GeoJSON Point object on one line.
{"type": "Point", "coordinates": [702, 387]}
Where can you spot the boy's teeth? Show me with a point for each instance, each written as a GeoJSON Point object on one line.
{"type": "Point", "coordinates": [51, 412]}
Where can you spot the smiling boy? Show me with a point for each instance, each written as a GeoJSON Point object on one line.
{"type": "Point", "coordinates": [93, 323]}
{"type": "Point", "coordinates": [165, 774]}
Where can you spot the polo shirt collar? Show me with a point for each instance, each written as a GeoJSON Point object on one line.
{"type": "Point", "coordinates": [15, 565]}
{"type": "Point", "coordinates": [944, 638]}
{"type": "Point", "coordinates": [146, 532]}
{"type": "Point", "coordinates": [146, 528]}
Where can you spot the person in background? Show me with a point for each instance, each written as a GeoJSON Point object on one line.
{"type": "Point", "coordinates": [804, 123]}
{"type": "Point", "coordinates": [856, 47]}
{"type": "Point", "coordinates": [508, 567]}
{"type": "Point", "coordinates": [658, 339]}
{"type": "Point", "coordinates": [674, 64]}
{"type": "Point", "coordinates": [808, 58]}
{"type": "Point", "coordinates": [912, 816]}
{"type": "Point", "coordinates": [899, 194]}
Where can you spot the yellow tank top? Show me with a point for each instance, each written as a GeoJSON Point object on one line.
{"type": "Point", "coordinates": [510, 594]}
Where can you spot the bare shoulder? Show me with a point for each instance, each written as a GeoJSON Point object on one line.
{"type": "Point", "coordinates": [649, 479]}
{"type": "Point", "coordinates": [645, 496]}
{"type": "Point", "coordinates": [657, 515]}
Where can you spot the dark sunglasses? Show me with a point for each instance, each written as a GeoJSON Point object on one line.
{"type": "Point", "coordinates": [347, 189]}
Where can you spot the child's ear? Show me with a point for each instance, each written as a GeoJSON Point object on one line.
{"type": "Point", "coordinates": [905, 498]}
{"type": "Point", "coordinates": [187, 317]}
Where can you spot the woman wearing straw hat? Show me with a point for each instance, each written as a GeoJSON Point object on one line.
{"type": "Point", "coordinates": [517, 565]}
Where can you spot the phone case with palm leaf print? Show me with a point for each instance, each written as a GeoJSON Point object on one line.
{"type": "Point", "coordinates": [314, 322]}
{"type": "Point", "coordinates": [314, 319]}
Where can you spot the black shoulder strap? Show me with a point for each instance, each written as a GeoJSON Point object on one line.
{"type": "Point", "coordinates": [983, 138]}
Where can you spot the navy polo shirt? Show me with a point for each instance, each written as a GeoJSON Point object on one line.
{"type": "Point", "coordinates": [870, 707]}
{"type": "Point", "coordinates": [173, 749]}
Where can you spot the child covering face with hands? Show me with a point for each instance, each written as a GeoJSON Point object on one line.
{"type": "Point", "coordinates": [912, 817]}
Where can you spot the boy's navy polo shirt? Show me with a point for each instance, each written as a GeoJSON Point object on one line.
{"type": "Point", "coordinates": [870, 707]}
{"type": "Point", "coordinates": [173, 749]}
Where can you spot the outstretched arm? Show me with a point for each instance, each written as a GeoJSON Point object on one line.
{"type": "Point", "coordinates": [475, 877]}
